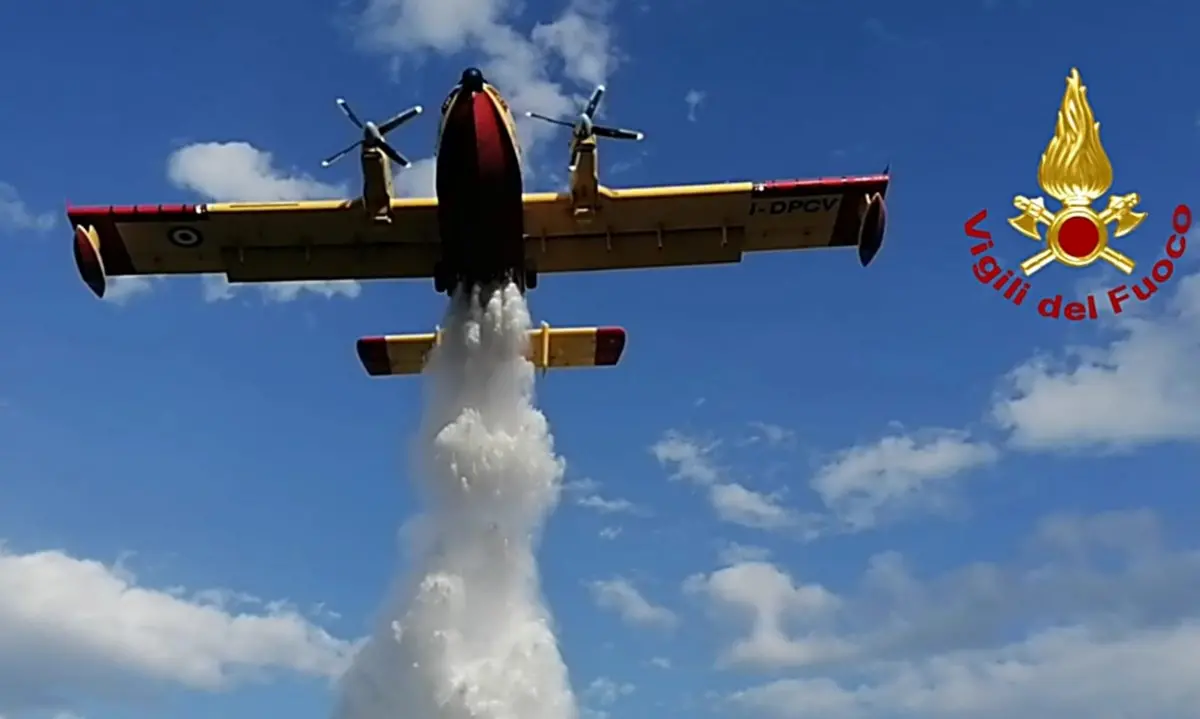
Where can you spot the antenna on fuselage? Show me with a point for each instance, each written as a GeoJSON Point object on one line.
{"type": "Point", "coordinates": [585, 128]}
{"type": "Point", "coordinates": [373, 135]}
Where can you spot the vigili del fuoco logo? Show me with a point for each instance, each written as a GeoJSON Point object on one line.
{"type": "Point", "coordinates": [1075, 171]}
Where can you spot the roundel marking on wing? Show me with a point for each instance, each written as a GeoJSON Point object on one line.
{"type": "Point", "coordinates": [185, 237]}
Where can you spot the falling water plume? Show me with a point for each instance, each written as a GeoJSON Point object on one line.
{"type": "Point", "coordinates": [465, 633]}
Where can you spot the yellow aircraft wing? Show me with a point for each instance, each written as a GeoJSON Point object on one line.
{"type": "Point", "coordinates": [256, 242]}
{"type": "Point", "coordinates": [548, 348]}
{"type": "Point", "coordinates": [334, 239]}
{"type": "Point", "coordinates": [705, 224]}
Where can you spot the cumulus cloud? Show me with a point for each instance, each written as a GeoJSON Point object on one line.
{"type": "Point", "coordinates": [736, 504]}
{"type": "Point", "coordinates": [1112, 607]}
{"type": "Point", "coordinates": [765, 598]}
{"type": "Point", "coordinates": [1072, 671]}
{"type": "Point", "coordinates": [75, 628]}
{"type": "Point", "coordinates": [578, 43]}
{"type": "Point", "coordinates": [1141, 388]}
{"type": "Point", "coordinates": [16, 215]}
{"type": "Point", "coordinates": [864, 483]}
{"type": "Point", "coordinates": [691, 460]}
{"type": "Point", "coordinates": [620, 596]}
{"type": "Point", "coordinates": [240, 172]}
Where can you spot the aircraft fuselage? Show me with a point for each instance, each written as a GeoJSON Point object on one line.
{"type": "Point", "coordinates": [479, 189]}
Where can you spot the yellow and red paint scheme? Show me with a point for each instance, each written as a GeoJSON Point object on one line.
{"type": "Point", "coordinates": [481, 212]}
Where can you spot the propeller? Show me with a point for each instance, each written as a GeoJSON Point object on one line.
{"type": "Point", "coordinates": [373, 134]}
{"type": "Point", "coordinates": [584, 127]}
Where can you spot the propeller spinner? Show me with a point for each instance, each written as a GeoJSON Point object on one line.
{"type": "Point", "coordinates": [373, 135]}
{"type": "Point", "coordinates": [584, 127]}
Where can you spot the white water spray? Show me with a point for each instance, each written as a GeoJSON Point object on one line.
{"type": "Point", "coordinates": [467, 634]}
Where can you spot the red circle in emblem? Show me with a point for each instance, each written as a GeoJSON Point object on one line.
{"type": "Point", "coordinates": [1078, 236]}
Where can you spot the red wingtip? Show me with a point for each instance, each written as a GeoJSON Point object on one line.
{"type": "Point", "coordinates": [373, 353]}
{"type": "Point", "coordinates": [88, 262]}
{"type": "Point", "coordinates": [610, 345]}
{"type": "Point", "coordinates": [873, 228]}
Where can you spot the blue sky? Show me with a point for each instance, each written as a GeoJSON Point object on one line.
{"type": "Point", "coordinates": [808, 490]}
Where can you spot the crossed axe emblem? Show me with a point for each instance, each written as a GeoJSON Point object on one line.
{"type": "Point", "coordinates": [1034, 213]}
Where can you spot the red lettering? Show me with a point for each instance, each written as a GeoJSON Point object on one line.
{"type": "Point", "coordinates": [1092, 306]}
{"type": "Point", "coordinates": [1075, 311]}
{"type": "Point", "coordinates": [1181, 219]}
{"type": "Point", "coordinates": [1050, 307]}
{"type": "Point", "coordinates": [1145, 290]}
{"type": "Point", "coordinates": [1174, 253]}
{"type": "Point", "coordinates": [972, 226]}
{"type": "Point", "coordinates": [1167, 267]}
{"type": "Point", "coordinates": [1116, 296]}
{"type": "Point", "coordinates": [986, 269]}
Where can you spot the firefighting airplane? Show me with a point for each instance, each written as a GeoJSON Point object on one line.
{"type": "Point", "coordinates": [481, 227]}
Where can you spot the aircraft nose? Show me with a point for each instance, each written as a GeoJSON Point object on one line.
{"type": "Point", "coordinates": [472, 79]}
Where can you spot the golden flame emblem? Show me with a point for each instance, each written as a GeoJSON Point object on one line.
{"type": "Point", "coordinates": [1075, 170]}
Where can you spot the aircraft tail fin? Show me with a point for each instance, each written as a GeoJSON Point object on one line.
{"type": "Point", "coordinates": [549, 348]}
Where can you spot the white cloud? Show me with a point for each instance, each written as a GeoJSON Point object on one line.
{"type": "Point", "coordinates": [579, 41]}
{"type": "Point", "coordinates": [660, 662]}
{"type": "Point", "coordinates": [585, 493]}
{"type": "Point", "coordinates": [288, 291]}
{"type": "Point", "coordinates": [417, 180]}
{"type": "Point", "coordinates": [766, 597]}
{"type": "Point", "coordinates": [895, 473]}
{"type": "Point", "coordinates": [121, 290]}
{"type": "Point", "coordinates": [733, 502]}
{"type": "Point", "coordinates": [690, 459]}
{"type": "Point", "coordinates": [1072, 671]}
{"type": "Point", "coordinates": [607, 506]}
{"type": "Point", "coordinates": [772, 434]}
{"type": "Point", "coordinates": [738, 505]}
{"type": "Point", "coordinates": [693, 100]}
{"type": "Point", "coordinates": [606, 692]}
{"type": "Point", "coordinates": [240, 172]}
{"type": "Point", "coordinates": [1109, 609]}
{"type": "Point", "coordinates": [1141, 388]}
{"type": "Point", "coordinates": [16, 215]}
{"type": "Point", "coordinates": [619, 595]}
{"type": "Point", "coordinates": [75, 628]}
{"type": "Point", "coordinates": [610, 532]}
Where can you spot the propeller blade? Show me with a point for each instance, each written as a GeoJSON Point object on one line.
{"type": "Point", "coordinates": [539, 116]}
{"type": "Point", "coordinates": [617, 133]}
{"type": "Point", "coordinates": [594, 103]}
{"type": "Point", "coordinates": [349, 113]}
{"type": "Point", "coordinates": [394, 156]}
{"type": "Point", "coordinates": [400, 119]}
{"type": "Point", "coordinates": [335, 157]}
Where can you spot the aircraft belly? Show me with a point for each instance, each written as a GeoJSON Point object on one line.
{"type": "Point", "coordinates": [480, 209]}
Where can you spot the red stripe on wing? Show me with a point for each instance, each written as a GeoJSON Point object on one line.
{"type": "Point", "coordinates": [373, 353]}
{"type": "Point", "coordinates": [610, 344]}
